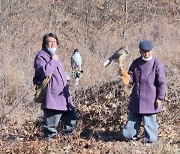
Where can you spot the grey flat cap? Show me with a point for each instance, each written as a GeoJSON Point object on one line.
{"type": "Point", "coordinates": [145, 45]}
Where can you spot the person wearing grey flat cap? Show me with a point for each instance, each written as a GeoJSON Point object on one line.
{"type": "Point", "coordinates": [145, 45]}
{"type": "Point", "coordinates": [146, 73]}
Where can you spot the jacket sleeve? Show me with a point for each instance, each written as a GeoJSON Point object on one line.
{"type": "Point", "coordinates": [160, 81]}
{"type": "Point", "coordinates": [44, 65]}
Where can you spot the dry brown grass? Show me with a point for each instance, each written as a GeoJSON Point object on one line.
{"type": "Point", "coordinates": [97, 29]}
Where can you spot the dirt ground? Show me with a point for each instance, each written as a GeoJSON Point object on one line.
{"type": "Point", "coordinates": [97, 29]}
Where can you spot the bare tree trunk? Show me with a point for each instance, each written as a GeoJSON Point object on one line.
{"type": "Point", "coordinates": [11, 7]}
{"type": "Point", "coordinates": [50, 15]}
{"type": "Point", "coordinates": [0, 6]}
{"type": "Point", "coordinates": [126, 11]}
{"type": "Point", "coordinates": [50, 21]}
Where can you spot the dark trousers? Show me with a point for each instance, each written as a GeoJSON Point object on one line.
{"type": "Point", "coordinates": [52, 118]}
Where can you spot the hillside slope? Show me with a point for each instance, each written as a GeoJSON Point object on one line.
{"type": "Point", "coordinates": [97, 28]}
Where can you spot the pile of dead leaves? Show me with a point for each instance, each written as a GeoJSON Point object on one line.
{"type": "Point", "coordinates": [102, 113]}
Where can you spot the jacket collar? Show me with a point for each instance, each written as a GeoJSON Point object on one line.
{"type": "Point", "coordinates": [46, 50]}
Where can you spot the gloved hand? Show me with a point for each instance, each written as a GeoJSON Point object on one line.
{"type": "Point", "coordinates": [125, 76]}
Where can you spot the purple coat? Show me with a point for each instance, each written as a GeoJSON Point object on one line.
{"type": "Point", "coordinates": [149, 84]}
{"type": "Point", "coordinates": [57, 95]}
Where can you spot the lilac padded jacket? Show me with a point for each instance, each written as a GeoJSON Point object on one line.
{"type": "Point", "coordinates": [57, 94]}
{"type": "Point", "coordinates": [149, 82]}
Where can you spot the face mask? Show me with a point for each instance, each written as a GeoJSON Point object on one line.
{"type": "Point", "coordinates": [52, 50]}
{"type": "Point", "coordinates": [147, 59]}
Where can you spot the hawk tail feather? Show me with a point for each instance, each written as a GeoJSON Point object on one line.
{"type": "Point", "coordinates": [106, 63]}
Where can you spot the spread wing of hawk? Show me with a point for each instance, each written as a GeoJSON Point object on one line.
{"type": "Point", "coordinates": [117, 56]}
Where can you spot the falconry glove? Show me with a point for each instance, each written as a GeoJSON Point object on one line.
{"type": "Point", "coordinates": [125, 76]}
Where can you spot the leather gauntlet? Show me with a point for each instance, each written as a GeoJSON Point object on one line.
{"type": "Point", "coordinates": [125, 76]}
